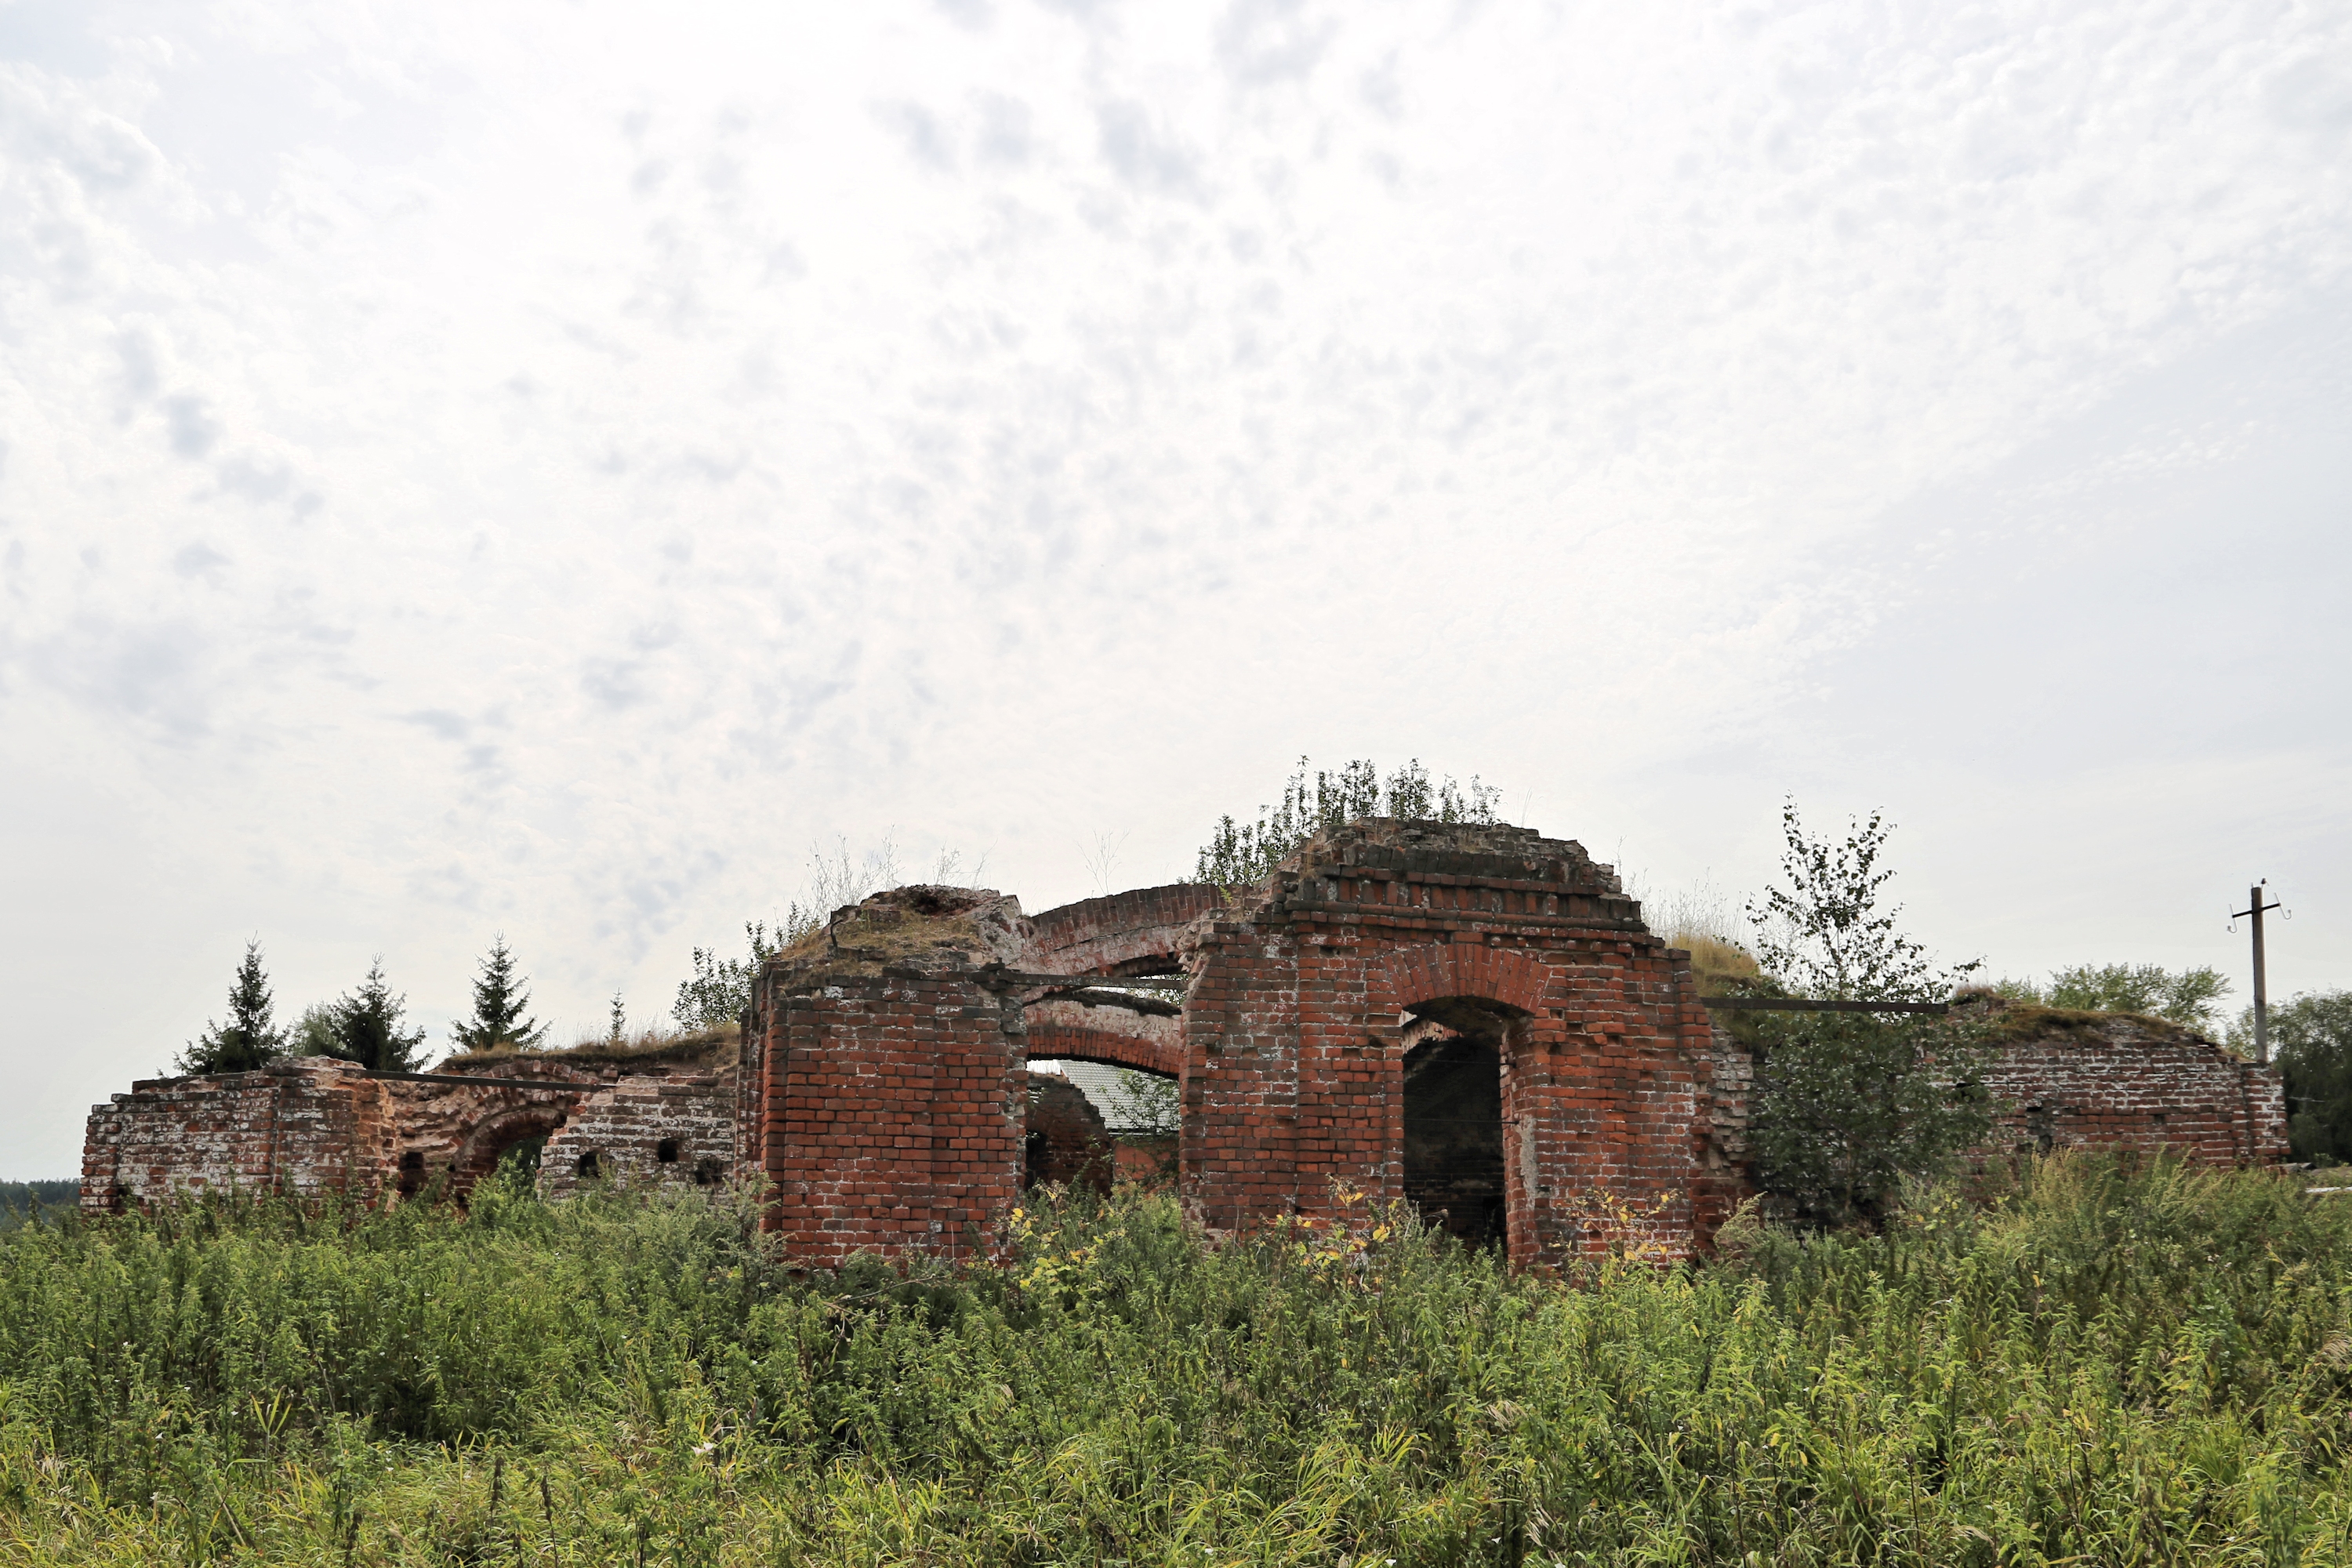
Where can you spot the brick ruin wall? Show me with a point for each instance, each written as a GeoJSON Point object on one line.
{"type": "Point", "coordinates": [890, 1111]}
{"type": "Point", "coordinates": [1297, 1019]}
{"type": "Point", "coordinates": [677, 1131]}
{"type": "Point", "coordinates": [2112, 1080]}
{"type": "Point", "coordinates": [307, 1124]}
{"type": "Point", "coordinates": [881, 1082]}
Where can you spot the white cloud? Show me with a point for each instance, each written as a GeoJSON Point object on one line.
{"type": "Point", "coordinates": [543, 467]}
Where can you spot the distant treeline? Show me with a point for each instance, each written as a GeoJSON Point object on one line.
{"type": "Point", "coordinates": [21, 1200]}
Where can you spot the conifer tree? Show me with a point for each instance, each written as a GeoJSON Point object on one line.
{"type": "Point", "coordinates": [368, 1030]}
{"type": "Point", "coordinates": [500, 1001]}
{"type": "Point", "coordinates": [250, 1038]}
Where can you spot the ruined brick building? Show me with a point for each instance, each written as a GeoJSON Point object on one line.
{"type": "Point", "coordinates": [1471, 1018]}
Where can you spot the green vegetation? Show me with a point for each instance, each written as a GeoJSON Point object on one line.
{"type": "Point", "coordinates": [2102, 1366]}
{"type": "Point", "coordinates": [29, 1203]}
{"type": "Point", "coordinates": [1824, 935]}
{"type": "Point", "coordinates": [250, 1038]}
{"type": "Point", "coordinates": [500, 1004]}
{"type": "Point", "coordinates": [1849, 1106]}
{"type": "Point", "coordinates": [2312, 1039]}
{"type": "Point", "coordinates": [2190, 997]}
{"type": "Point", "coordinates": [1239, 854]}
{"type": "Point", "coordinates": [368, 1026]}
{"type": "Point", "coordinates": [721, 987]}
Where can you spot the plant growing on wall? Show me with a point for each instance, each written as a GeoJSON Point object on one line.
{"type": "Point", "coordinates": [721, 987]}
{"type": "Point", "coordinates": [500, 1002]}
{"type": "Point", "coordinates": [1848, 1105]}
{"type": "Point", "coordinates": [1238, 853]}
{"type": "Point", "coordinates": [250, 1038]}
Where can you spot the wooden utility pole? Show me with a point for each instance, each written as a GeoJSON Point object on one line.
{"type": "Point", "coordinates": [2254, 907]}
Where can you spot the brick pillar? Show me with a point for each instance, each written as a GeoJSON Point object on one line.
{"type": "Point", "coordinates": [893, 1114]}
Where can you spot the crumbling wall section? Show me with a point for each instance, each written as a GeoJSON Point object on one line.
{"type": "Point", "coordinates": [303, 1126]}
{"type": "Point", "coordinates": [892, 1094]}
{"type": "Point", "coordinates": [676, 1132]}
{"type": "Point", "coordinates": [454, 1134]}
{"type": "Point", "coordinates": [1725, 1177]}
{"type": "Point", "coordinates": [2118, 1081]}
{"type": "Point", "coordinates": [892, 1114]}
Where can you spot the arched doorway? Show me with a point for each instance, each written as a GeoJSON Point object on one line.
{"type": "Point", "coordinates": [1455, 1170]}
{"type": "Point", "coordinates": [523, 1132]}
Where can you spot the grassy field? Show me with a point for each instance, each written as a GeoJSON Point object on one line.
{"type": "Point", "coordinates": [2102, 1366]}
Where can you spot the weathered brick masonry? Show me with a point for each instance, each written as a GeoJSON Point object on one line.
{"type": "Point", "coordinates": [1301, 1003]}
{"type": "Point", "coordinates": [675, 1131]}
{"type": "Point", "coordinates": [305, 1125]}
{"type": "Point", "coordinates": [891, 1082]}
{"type": "Point", "coordinates": [2105, 1080]}
{"type": "Point", "coordinates": [1471, 1018]}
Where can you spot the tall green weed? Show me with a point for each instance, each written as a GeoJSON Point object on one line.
{"type": "Point", "coordinates": [2104, 1364]}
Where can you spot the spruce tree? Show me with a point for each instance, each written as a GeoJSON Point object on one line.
{"type": "Point", "coordinates": [250, 1038]}
{"type": "Point", "coordinates": [368, 1026]}
{"type": "Point", "coordinates": [499, 1003]}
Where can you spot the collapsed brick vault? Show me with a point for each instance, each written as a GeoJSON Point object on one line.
{"type": "Point", "coordinates": [1472, 1018]}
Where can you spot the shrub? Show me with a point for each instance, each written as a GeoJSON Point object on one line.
{"type": "Point", "coordinates": [1240, 854]}
{"type": "Point", "coordinates": [2190, 997]}
{"type": "Point", "coordinates": [1848, 1106]}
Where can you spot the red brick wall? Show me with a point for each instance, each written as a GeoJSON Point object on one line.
{"type": "Point", "coordinates": [1295, 1041]}
{"type": "Point", "coordinates": [298, 1126]}
{"type": "Point", "coordinates": [891, 1110]}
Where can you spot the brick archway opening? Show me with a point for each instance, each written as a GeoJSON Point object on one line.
{"type": "Point", "coordinates": [525, 1129]}
{"type": "Point", "coordinates": [1455, 1157]}
{"type": "Point", "coordinates": [1141, 1106]}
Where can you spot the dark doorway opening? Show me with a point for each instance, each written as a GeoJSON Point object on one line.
{"type": "Point", "coordinates": [522, 1159]}
{"type": "Point", "coordinates": [1454, 1120]}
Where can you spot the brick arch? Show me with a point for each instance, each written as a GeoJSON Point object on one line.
{"type": "Point", "coordinates": [1132, 933]}
{"type": "Point", "coordinates": [1411, 975]}
{"type": "Point", "coordinates": [486, 1142]}
{"type": "Point", "coordinates": [1062, 1042]}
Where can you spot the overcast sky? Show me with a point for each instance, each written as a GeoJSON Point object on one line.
{"type": "Point", "coordinates": [542, 467]}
